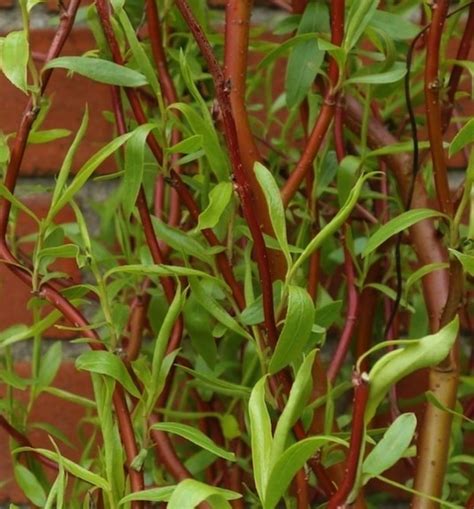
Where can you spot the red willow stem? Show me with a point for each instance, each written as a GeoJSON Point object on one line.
{"type": "Point", "coordinates": [170, 95]}
{"type": "Point", "coordinates": [456, 72]}
{"type": "Point", "coordinates": [24, 441]}
{"type": "Point", "coordinates": [433, 105]}
{"type": "Point", "coordinates": [242, 183]}
{"type": "Point", "coordinates": [237, 25]}
{"type": "Point", "coordinates": [361, 395]}
{"type": "Point", "coordinates": [352, 309]}
{"type": "Point", "coordinates": [326, 113]}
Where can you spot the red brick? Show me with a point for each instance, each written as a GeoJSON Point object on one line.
{"type": "Point", "coordinates": [47, 409]}
{"type": "Point", "coordinates": [6, 3]}
{"type": "Point", "coordinates": [18, 293]}
{"type": "Point", "coordinates": [70, 96]}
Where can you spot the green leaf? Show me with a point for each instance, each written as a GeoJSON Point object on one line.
{"type": "Point", "coordinates": [158, 270]}
{"type": "Point", "coordinates": [180, 241]}
{"type": "Point", "coordinates": [21, 332]}
{"type": "Point", "coordinates": [396, 225]}
{"type": "Point", "coordinates": [219, 198]}
{"type": "Point", "coordinates": [391, 447]}
{"type": "Point", "coordinates": [47, 136]}
{"type": "Point", "coordinates": [271, 192]}
{"type": "Point", "coordinates": [190, 493]}
{"type": "Point", "coordinates": [50, 365]}
{"type": "Point", "coordinates": [14, 58]}
{"type": "Point", "coordinates": [397, 364]}
{"type": "Point", "coordinates": [395, 26]}
{"type": "Point", "coordinates": [289, 463]}
{"type": "Point", "coordinates": [67, 163]}
{"type": "Point", "coordinates": [306, 58]}
{"type": "Point", "coordinates": [106, 363]}
{"type": "Point", "coordinates": [7, 195]}
{"type": "Point", "coordinates": [397, 148]}
{"type": "Point", "coordinates": [467, 261]}
{"type": "Point", "coordinates": [296, 331]}
{"type": "Point", "coordinates": [359, 16]}
{"type": "Point", "coordinates": [30, 485]}
{"type": "Point", "coordinates": [187, 146]}
{"type": "Point", "coordinates": [133, 164]}
{"type": "Point", "coordinates": [261, 437]}
{"type": "Point", "coordinates": [217, 159]}
{"type": "Point", "coordinates": [162, 494]}
{"type": "Point", "coordinates": [218, 385]}
{"type": "Point", "coordinates": [215, 309]}
{"type": "Point", "coordinates": [422, 272]}
{"type": "Point", "coordinates": [99, 70]}
{"type": "Point", "coordinates": [396, 73]}
{"type": "Point", "coordinates": [86, 171]}
{"type": "Point", "coordinates": [253, 313]}
{"type": "Point", "coordinates": [336, 222]}
{"type": "Point", "coordinates": [195, 436]}
{"type": "Point", "coordinates": [431, 398]}
{"type": "Point", "coordinates": [299, 394]}
{"type": "Point", "coordinates": [73, 468]}
{"type": "Point", "coordinates": [463, 137]}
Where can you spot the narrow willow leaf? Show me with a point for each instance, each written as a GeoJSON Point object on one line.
{"type": "Point", "coordinates": [271, 192]}
{"type": "Point", "coordinates": [158, 270]}
{"type": "Point", "coordinates": [106, 363]}
{"type": "Point", "coordinates": [336, 222]}
{"type": "Point", "coordinates": [463, 137]}
{"type": "Point", "coordinates": [261, 437]}
{"type": "Point", "coordinates": [37, 137]}
{"type": "Point", "coordinates": [395, 365]}
{"type": "Point", "coordinates": [86, 171]}
{"type": "Point", "coordinates": [187, 146]}
{"type": "Point", "coordinates": [14, 58]}
{"type": "Point", "coordinates": [289, 463]}
{"type": "Point", "coordinates": [67, 163]}
{"type": "Point", "coordinates": [218, 385]}
{"type": "Point", "coordinates": [397, 148]}
{"type": "Point", "coordinates": [5, 193]}
{"type": "Point", "coordinates": [359, 16]}
{"type": "Point", "coordinates": [299, 394]}
{"type": "Point", "coordinates": [152, 495]}
{"type": "Point", "coordinates": [210, 142]}
{"type": "Point", "coordinates": [71, 397]}
{"type": "Point", "coordinates": [139, 53]}
{"type": "Point", "coordinates": [30, 485]}
{"type": "Point", "coordinates": [467, 261]}
{"type": "Point", "coordinates": [396, 225]}
{"type": "Point", "coordinates": [306, 58]}
{"type": "Point", "coordinates": [296, 331]}
{"type": "Point", "coordinates": [431, 398]}
{"type": "Point", "coordinates": [395, 26]}
{"type": "Point", "coordinates": [190, 493]}
{"type": "Point", "coordinates": [21, 332]}
{"type": "Point", "coordinates": [181, 241]}
{"type": "Point", "coordinates": [99, 70]}
{"type": "Point", "coordinates": [391, 447]}
{"type": "Point", "coordinates": [134, 163]}
{"type": "Point", "coordinates": [281, 49]}
{"type": "Point", "coordinates": [219, 198]}
{"type": "Point", "coordinates": [50, 363]}
{"type": "Point", "coordinates": [390, 76]}
{"type": "Point", "coordinates": [195, 436]}
{"type": "Point", "coordinates": [216, 310]}
{"type": "Point", "coordinates": [422, 272]}
{"type": "Point", "coordinates": [71, 467]}
{"type": "Point", "coordinates": [253, 313]}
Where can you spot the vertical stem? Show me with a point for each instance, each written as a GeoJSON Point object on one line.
{"type": "Point", "coordinates": [326, 113]}
{"type": "Point", "coordinates": [361, 395]}
{"type": "Point", "coordinates": [433, 106]}
{"type": "Point", "coordinates": [243, 186]}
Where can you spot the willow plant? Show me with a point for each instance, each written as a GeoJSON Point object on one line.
{"type": "Point", "coordinates": [274, 257]}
